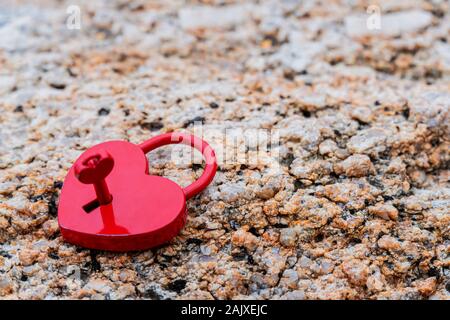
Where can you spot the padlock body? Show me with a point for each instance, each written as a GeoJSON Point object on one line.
{"type": "Point", "coordinates": [146, 211]}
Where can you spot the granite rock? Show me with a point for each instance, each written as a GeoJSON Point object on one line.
{"type": "Point", "coordinates": [350, 200]}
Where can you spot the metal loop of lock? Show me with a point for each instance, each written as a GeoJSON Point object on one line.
{"type": "Point", "coordinates": [110, 202]}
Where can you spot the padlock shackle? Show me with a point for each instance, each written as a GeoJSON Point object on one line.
{"type": "Point", "coordinates": [188, 139]}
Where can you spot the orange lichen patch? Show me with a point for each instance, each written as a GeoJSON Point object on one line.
{"type": "Point", "coordinates": [353, 204]}
{"type": "Point", "coordinates": [120, 61]}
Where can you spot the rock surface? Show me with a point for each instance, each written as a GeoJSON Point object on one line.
{"type": "Point", "coordinates": [355, 205]}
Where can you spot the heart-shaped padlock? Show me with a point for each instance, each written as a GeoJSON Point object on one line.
{"type": "Point", "coordinates": [110, 202]}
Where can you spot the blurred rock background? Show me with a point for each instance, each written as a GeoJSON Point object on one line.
{"type": "Point", "coordinates": [359, 207]}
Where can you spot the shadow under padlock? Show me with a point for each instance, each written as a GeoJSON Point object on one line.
{"type": "Point", "coordinates": [110, 202]}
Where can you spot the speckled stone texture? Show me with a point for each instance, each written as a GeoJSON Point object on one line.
{"type": "Point", "coordinates": [359, 208]}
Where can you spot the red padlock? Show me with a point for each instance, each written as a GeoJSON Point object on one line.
{"type": "Point", "coordinates": [110, 202]}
